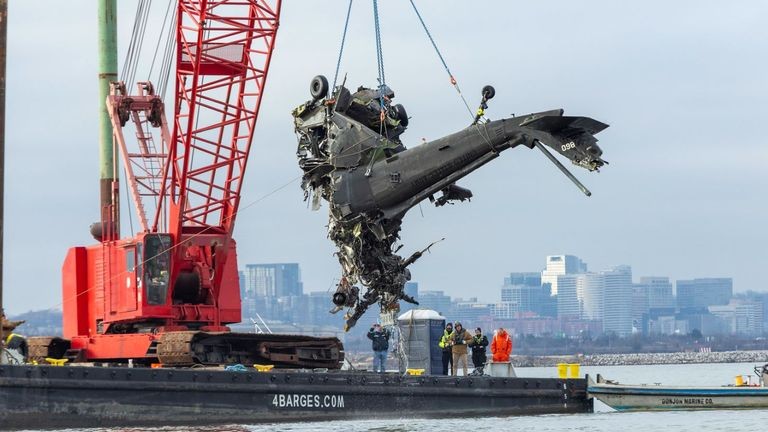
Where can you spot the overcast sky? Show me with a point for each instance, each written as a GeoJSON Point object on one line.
{"type": "Point", "coordinates": [682, 84]}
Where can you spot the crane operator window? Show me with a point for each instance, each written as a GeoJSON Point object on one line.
{"type": "Point", "coordinates": [157, 270]}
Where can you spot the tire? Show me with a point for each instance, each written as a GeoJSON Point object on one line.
{"type": "Point", "coordinates": [318, 87]}
{"type": "Point", "coordinates": [488, 92]}
{"type": "Point", "coordinates": [400, 114]}
{"type": "Point", "coordinates": [339, 299]}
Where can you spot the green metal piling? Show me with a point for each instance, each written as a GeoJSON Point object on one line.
{"type": "Point", "coordinates": [107, 16]}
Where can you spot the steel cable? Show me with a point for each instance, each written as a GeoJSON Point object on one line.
{"type": "Point", "coordinates": [160, 39]}
{"type": "Point", "coordinates": [442, 59]}
{"type": "Point", "coordinates": [341, 49]}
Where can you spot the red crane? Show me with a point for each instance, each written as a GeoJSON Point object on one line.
{"type": "Point", "coordinates": [167, 293]}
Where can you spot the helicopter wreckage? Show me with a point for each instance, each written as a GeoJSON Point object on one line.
{"type": "Point", "coordinates": [352, 157]}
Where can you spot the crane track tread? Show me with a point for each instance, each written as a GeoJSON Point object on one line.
{"type": "Point", "coordinates": [186, 348]}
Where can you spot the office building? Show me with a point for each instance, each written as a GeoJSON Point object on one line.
{"type": "Point", "coordinates": [435, 300]}
{"type": "Point", "coordinates": [469, 312]}
{"type": "Point", "coordinates": [558, 265]}
{"type": "Point", "coordinates": [740, 317]}
{"type": "Point", "coordinates": [241, 281]}
{"type": "Point", "coordinates": [568, 305]}
{"type": "Point", "coordinates": [590, 291]}
{"type": "Point", "coordinates": [702, 293]}
{"type": "Point", "coordinates": [651, 297]}
{"type": "Point", "coordinates": [273, 280]}
{"type": "Point", "coordinates": [617, 300]}
{"type": "Point", "coordinates": [524, 290]}
{"type": "Point", "coordinates": [505, 310]}
{"type": "Point", "coordinates": [660, 295]}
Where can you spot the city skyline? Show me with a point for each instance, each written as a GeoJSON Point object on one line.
{"type": "Point", "coordinates": [604, 301]}
{"type": "Point", "coordinates": [502, 275]}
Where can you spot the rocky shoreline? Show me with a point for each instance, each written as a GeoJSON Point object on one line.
{"type": "Point", "coordinates": [644, 358]}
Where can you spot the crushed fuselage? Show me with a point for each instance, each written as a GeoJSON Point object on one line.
{"type": "Point", "coordinates": [352, 157]}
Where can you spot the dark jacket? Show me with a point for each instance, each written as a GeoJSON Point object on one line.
{"type": "Point", "coordinates": [478, 344]}
{"type": "Point", "coordinates": [380, 339]}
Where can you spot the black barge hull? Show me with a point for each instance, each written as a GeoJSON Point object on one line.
{"type": "Point", "coordinates": [39, 397]}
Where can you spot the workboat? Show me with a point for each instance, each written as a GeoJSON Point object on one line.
{"type": "Point", "coordinates": [56, 397]}
{"type": "Point", "coordinates": [743, 394]}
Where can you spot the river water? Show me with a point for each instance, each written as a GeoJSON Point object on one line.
{"type": "Point", "coordinates": [603, 419]}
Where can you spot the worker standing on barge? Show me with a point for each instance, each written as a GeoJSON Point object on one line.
{"type": "Point", "coordinates": [478, 344]}
{"type": "Point", "coordinates": [380, 343]}
{"type": "Point", "coordinates": [501, 347]}
{"type": "Point", "coordinates": [461, 339]}
{"type": "Point", "coordinates": [445, 345]}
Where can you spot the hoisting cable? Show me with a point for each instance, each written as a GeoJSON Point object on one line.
{"type": "Point", "coordinates": [380, 61]}
{"type": "Point", "coordinates": [133, 54]}
{"type": "Point", "coordinates": [382, 85]}
{"type": "Point", "coordinates": [341, 49]}
{"type": "Point", "coordinates": [130, 54]}
{"type": "Point", "coordinates": [379, 51]}
{"type": "Point", "coordinates": [160, 39]}
{"type": "Point", "coordinates": [167, 63]}
{"type": "Point", "coordinates": [140, 45]}
{"type": "Point", "coordinates": [442, 60]}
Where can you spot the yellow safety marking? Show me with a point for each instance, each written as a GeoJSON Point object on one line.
{"type": "Point", "coordinates": [263, 368]}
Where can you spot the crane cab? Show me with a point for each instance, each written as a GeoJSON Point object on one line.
{"type": "Point", "coordinates": [141, 287]}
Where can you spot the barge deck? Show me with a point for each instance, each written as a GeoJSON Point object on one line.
{"type": "Point", "coordinates": [40, 397]}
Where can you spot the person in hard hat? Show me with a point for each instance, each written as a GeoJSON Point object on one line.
{"type": "Point", "coordinates": [501, 346]}
{"type": "Point", "coordinates": [461, 339]}
{"type": "Point", "coordinates": [380, 343]}
{"type": "Point", "coordinates": [478, 344]}
{"type": "Point", "coordinates": [18, 343]}
{"type": "Point", "coordinates": [445, 344]}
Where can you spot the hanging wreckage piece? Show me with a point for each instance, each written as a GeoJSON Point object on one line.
{"type": "Point", "coordinates": [351, 154]}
